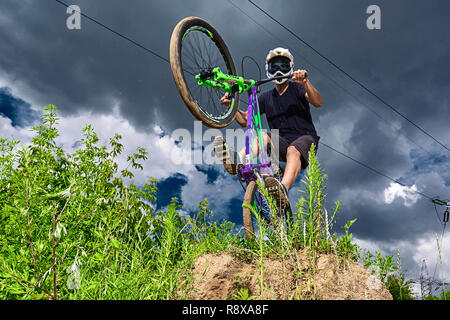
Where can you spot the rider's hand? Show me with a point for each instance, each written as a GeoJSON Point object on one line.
{"type": "Point", "coordinates": [226, 99]}
{"type": "Point", "coordinates": [300, 76]}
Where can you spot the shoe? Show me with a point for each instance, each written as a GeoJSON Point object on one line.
{"type": "Point", "coordinates": [226, 154]}
{"type": "Point", "coordinates": [277, 191]}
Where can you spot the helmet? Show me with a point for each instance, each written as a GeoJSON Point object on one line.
{"type": "Point", "coordinates": [279, 62]}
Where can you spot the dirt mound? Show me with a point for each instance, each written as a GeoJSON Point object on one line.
{"type": "Point", "coordinates": [300, 276]}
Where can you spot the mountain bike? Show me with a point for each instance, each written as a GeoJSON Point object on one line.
{"type": "Point", "coordinates": [204, 70]}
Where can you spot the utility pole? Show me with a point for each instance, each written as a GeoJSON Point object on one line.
{"type": "Point", "coordinates": [425, 281]}
{"type": "Point", "coordinates": [447, 206]}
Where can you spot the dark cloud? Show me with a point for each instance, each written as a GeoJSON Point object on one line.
{"type": "Point", "coordinates": [16, 109]}
{"type": "Point", "coordinates": [169, 188]}
{"type": "Point", "coordinates": [405, 63]}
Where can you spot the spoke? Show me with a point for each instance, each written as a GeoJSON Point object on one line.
{"type": "Point", "coordinates": [217, 57]}
{"type": "Point", "coordinates": [194, 53]}
{"type": "Point", "coordinates": [199, 52]}
{"type": "Point", "coordinates": [188, 55]}
{"type": "Point", "coordinates": [199, 40]}
{"type": "Point", "coordinates": [212, 100]}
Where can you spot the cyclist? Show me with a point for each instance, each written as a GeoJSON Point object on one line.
{"type": "Point", "coordinates": [287, 109]}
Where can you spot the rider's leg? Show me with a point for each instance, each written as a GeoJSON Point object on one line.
{"type": "Point", "coordinates": [230, 158]}
{"type": "Point", "coordinates": [266, 140]}
{"type": "Point", "coordinates": [293, 166]}
{"type": "Point", "coordinates": [278, 190]}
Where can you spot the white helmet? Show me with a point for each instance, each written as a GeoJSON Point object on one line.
{"type": "Point", "coordinates": [279, 67]}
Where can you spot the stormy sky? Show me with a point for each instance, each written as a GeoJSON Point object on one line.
{"type": "Point", "coordinates": [94, 76]}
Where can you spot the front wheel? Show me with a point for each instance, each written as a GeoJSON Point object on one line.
{"type": "Point", "coordinates": [255, 198]}
{"type": "Point", "coordinates": [196, 47]}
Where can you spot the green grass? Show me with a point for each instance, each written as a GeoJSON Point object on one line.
{"type": "Point", "coordinates": [72, 226]}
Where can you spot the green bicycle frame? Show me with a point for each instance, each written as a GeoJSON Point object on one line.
{"type": "Point", "coordinates": [215, 78]}
{"type": "Point", "coordinates": [226, 82]}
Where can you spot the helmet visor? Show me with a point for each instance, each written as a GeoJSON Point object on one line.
{"type": "Point", "coordinates": [282, 64]}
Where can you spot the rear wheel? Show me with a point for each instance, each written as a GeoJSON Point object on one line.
{"type": "Point", "coordinates": [256, 199]}
{"type": "Point", "coordinates": [195, 47]}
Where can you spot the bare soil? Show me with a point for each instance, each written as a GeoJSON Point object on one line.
{"type": "Point", "coordinates": [299, 276]}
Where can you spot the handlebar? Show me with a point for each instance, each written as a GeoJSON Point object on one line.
{"type": "Point", "coordinates": [271, 79]}
{"type": "Point", "coordinates": [215, 78]}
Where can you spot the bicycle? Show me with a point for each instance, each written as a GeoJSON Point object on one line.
{"type": "Point", "coordinates": [198, 54]}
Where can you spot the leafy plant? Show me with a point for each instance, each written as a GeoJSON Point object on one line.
{"type": "Point", "coordinates": [310, 209]}
{"type": "Point", "coordinates": [445, 295]}
{"type": "Point", "coordinates": [75, 226]}
{"type": "Point", "coordinates": [385, 266]}
{"type": "Point", "coordinates": [242, 292]}
{"type": "Point", "coordinates": [70, 221]}
{"type": "Point", "coordinates": [399, 288]}
{"type": "Point", "coordinates": [345, 246]}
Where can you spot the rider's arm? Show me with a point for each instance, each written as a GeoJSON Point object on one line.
{"type": "Point", "coordinates": [312, 94]}
{"type": "Point", "coordinates": [241, 118]}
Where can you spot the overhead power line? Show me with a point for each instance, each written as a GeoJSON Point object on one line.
{"type": "Point", "coordinates": [347, 74]}
{"type": "Point", "coordinates": [444, 224]}
{"type": "Point", "coordinates": [328, 77]}
{"type": "Point", "coordinates": [341, 153]}
{"type": "Point", "coordinates": [168, 61]}
{"type": "Point", "coordinates": [375, 170]}
{"type": "Point", "coordinates": [331, 148]}
{"type": "Point", "coordinates": [118, 33]}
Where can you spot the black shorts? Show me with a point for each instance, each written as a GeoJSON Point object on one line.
{"type": "Point", "coordinates": [302, 144]}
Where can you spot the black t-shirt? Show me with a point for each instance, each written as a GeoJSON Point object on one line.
{"type": "Point", "coordinates": [289, 113]}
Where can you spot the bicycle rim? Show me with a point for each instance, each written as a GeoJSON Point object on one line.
{"type": "Point", "coordinates": [261, 206]}
{"type": "Point", "coordinates": [201, 50]}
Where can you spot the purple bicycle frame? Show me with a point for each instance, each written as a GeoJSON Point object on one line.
{"type": "Point", "coordinates": [254, 123]}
